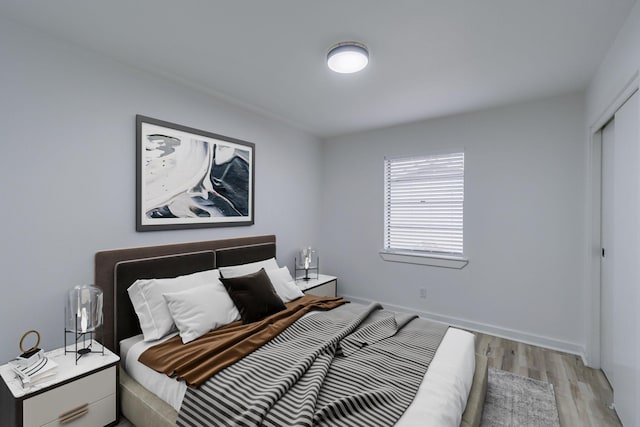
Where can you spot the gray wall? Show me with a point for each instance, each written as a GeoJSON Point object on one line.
{"type": "Point", "coordinates": [68, 187]}
{"type": "Point", "coordinates": [67, 172]}
{"type": "Point", "coordinates": [523, 229]}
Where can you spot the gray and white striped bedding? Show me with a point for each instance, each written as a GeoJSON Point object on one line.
{"type": "Point", "coordinates": [353, 366]}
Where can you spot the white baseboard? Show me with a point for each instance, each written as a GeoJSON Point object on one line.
{"type": "Point", "coordinates": [498, 331]}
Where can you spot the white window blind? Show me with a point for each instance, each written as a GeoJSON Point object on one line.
{"type": "Point", "coordinates": [424, 198]}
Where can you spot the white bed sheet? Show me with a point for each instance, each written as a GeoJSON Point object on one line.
{"type": "Point", "coordinates": [440, 400]}
{"type": "Point", "coordinates": [168, 389]}
{"type": "Point", "coordinates": [443, 393]}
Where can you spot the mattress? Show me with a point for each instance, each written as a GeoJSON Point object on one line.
{"type": "Point", "coordinates": [440, 400]}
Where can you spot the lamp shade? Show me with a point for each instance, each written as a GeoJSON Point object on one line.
{"type": "Point", "coordinates": [308, 258]}
{"type": "Point", "coordinates": [348, 57]}
{"type": "Point", "coordinates": [83, 309]}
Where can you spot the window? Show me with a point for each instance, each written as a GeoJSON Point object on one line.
{"type": "Point", "coordinates": [424, 198]}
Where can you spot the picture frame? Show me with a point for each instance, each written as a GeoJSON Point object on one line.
{"type": "Point", "coordinates": [190, 178]}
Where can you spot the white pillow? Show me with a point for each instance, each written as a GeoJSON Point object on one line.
{"type": "Point", "coordinates": [252, 267]}
{"type": "Point", "coordinates": [150, 306]}
{"type": "Point", "coordinates": [197, 311]}
{"type": "Point", "coordinates": [284, 284]}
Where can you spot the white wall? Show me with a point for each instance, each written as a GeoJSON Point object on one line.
{"type": "Point", "coordinates": [524, 196]}
{"type": "Point", "coordinates": [67, 172]}
{"type": "Point", "coordinates": [618, 66]}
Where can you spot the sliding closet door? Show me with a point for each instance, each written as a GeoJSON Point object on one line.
{"type": "Point", "coordinates": [620, 293]}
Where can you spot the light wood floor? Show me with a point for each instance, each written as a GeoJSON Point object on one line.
{"type": "Point", "coordinates": [583, 394]}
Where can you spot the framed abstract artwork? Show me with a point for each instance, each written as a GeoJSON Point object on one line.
{"type": "Point", "coordinates": [189, 178]}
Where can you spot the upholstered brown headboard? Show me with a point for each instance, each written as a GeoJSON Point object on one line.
{"type": "Point", "coordinates": [116, 270]}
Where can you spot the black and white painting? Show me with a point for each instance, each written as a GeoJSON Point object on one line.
{"type": "Point", "coordinates": [188, 178]}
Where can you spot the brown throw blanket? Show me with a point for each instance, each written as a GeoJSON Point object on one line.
{"type": "Point", "coordinates": [198, 360]}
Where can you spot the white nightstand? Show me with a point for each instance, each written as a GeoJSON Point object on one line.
{"type": "Point", "coordinates": [325, 286]}
{"type": "Point", "coordinates": [77, 396]}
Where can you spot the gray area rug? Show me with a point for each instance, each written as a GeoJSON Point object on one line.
{"type": "Point", "coordinates": [513, 400]}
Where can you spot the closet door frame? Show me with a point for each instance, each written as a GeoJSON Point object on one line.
{"type": "Point", "coordinates": [607, 267]}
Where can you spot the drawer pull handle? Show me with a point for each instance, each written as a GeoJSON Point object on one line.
{"type": "Point", "coordinates": [73, 417]}
{"type": "Point", "coordinates": [74, 413]}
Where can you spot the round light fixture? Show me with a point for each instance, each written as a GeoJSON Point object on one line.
{"type": "Point", "coordinates": [348, 57]}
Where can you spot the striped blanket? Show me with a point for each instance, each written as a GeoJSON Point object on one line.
{"type": "Point", "coordinates": [353, 366]}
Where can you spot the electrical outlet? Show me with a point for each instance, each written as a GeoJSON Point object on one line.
{"type": "Point", "coordinates": [423, 293]}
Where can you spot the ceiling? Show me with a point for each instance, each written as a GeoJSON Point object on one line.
{"type": "Point", "coordinates": [428, 58]}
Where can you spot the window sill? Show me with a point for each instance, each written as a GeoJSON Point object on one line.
{"type": "Point", "coordinates": [425, 259]}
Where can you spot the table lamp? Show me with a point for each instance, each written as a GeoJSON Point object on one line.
{"type": "Point", "coordinates": [83, 316]}
{"type": "Point", "coordinates": [308, 260]}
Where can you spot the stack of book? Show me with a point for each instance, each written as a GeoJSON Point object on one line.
{"type": "Point", "coordinates": [33, 367]}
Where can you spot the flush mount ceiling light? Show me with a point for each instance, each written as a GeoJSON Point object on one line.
{"type": "Point", "coordinates": [348, 57]}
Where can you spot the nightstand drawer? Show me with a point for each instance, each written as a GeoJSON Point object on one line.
{"type": "Point", "coordinates": [325, 290]}
{"type": "Point", "coordinates": [100, 413]}
{"type": "Point", "coordinates": [49, 406]}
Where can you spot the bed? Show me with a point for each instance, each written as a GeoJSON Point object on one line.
{"type": "Point", "coordinates": [116, 270]}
